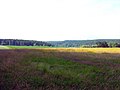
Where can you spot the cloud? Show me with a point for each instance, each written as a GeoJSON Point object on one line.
{"type": "Point", "coordinates": [59, 19]}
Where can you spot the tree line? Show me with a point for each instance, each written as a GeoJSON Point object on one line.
{"type": "Point", "coordinates": [17, 42]}
{"type": "Point", "coordinates": [103, 44]}
{"type": "Point", "coordinates": [68, 43]}
{"type": "Point", "coordinates": [87, 43]}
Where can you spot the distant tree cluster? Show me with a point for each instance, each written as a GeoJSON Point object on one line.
{"type": "Point", "coordinates": [17, 42]}
{"type": "Point", "coordinates": [105, 44]}
{"type": "Point", "coordinates": [102, 44]}
{"type": "Point", "coordinates": [87, 43]}
{"type": "Point", "coordinates": [114, 44]}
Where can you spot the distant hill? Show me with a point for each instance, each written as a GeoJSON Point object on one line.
{"type": "Point", "coordinates": [17, 42]}
{"type": "Point", "coordinates": [66, 43]}
{"type": "Point", "coordinates": [78, 43]}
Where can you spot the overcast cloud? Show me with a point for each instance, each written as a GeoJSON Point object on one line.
{"type": "Point", "coordinates": [60, 19]}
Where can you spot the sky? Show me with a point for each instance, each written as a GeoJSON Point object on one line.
{"type": "Point", "coordinates": [57, 20]}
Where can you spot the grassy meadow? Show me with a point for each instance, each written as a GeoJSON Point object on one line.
{"type": "Point", "coordinates": [4, 47]}
{"type": "Point", "coordinates": [26, 47]}
{"type": "Point", "coordinates": [60, 69]}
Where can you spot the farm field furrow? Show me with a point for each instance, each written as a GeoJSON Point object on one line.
{"type": "Point", "coordinates": [60, 69]}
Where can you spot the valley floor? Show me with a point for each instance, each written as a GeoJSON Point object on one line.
{"type": "Point", "coordinates": [60, 69]}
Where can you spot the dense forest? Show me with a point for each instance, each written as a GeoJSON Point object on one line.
{"type": "Point", "coordinates": [66, 43]}
{"type": "Point", "coordinates": [17, 42]}
{"type": "Point", "coordinates": [85, 43]}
